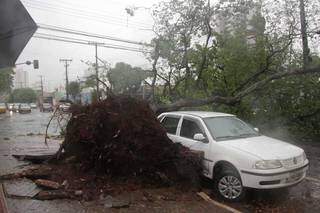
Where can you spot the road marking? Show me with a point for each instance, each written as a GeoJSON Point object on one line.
{"type": "Point", "coordinates": [313, 179]}
{"type": "Point", "coordinates": [221, 205]}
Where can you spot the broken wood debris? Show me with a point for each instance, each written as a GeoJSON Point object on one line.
{"type": "Point", "coordinates": [47, 184]}
{"type": "Point", "coordinates": [33, 173]}
{"type": "Point", "coordinates": [52, 195]}
{"type": "Point", "coordinates": [33, 158]}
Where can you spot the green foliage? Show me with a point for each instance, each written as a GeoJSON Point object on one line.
{"type": "Point", "coordinates": [6, 79]}
{"type": "Point", "coordinates": [293, 102]}
{"type": "Point", "coordinates": [74, 89]}
{"type": "Point", "coordinates": [90, 81]}
{"type": "Point", "coordinates": [23, 95]}
{"type": "Point", "coordinates": [125, 79]}
{"type": "Point", "coordinates": [197, 62]}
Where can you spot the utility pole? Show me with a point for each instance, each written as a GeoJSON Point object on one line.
{"type": "Point", "coordinates": [97, 67]}
{"type": "Point", "coordinates": [41, 97]}
{"type": "Point", "coordinates": [41, 85]}
{"type": "Point", "coordinates": [304, 35]}
{"type": "Point", "coordinates": [66, 65]}
{"type": "Point", "coordinates": [97, 72]}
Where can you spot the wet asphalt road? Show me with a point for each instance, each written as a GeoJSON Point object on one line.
{"type": "Point", "coordinates": [24, 133]}
{"type": "Point", "coordinates": [15, 124]}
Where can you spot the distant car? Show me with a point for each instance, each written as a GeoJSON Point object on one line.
{"type": "Point", "coordinates": [64, 107]}
{"type": "Point", "coordinates": [33, 105]}
{"type": "Point", "coordinates": [3, 108]}
{"type": "Point", "coordinates": [10, 106]}
{"type": "Point", "coordinates": [24, 108]}
{"type": "Point", "coordinates": [16, 107]}
{"type": "Point", "coordinates": [47, 107]}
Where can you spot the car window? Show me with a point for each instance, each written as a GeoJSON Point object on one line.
{"type": "Point", "coordinates": [226, 128]}
{"type": "Point", "coordinates": [170, 124]}
{"type": "Point", "coordinates": [189, 128]}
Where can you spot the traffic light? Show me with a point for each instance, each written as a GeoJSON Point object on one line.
{"type": "Point", "coordinates": [36, 64]}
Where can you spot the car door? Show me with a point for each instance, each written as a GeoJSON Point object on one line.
{"type": "Point", "coordinates": [188, 128]}
{"type": "Point", "coordinates": [171, 123]}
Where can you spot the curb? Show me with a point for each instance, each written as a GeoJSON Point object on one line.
{"type": "Point", "coordinates": [3, 203]}
{"type": "Point", "coordinates": [216, 203]}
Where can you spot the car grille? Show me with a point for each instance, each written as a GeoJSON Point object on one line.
{"type": "Point", "coordinates": [292, 162]}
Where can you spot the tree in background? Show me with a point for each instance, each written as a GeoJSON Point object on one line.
{"type": "Point", "coordinates": [74, 89]}
{"type": "Point", "coordinates": [125, 79]}
{"type": "Point", "coordinates": [238, 67]}
{"type": "Point", "coordinates": [6, 80]}
{"type": "Point", "coordinates": [23, 95]}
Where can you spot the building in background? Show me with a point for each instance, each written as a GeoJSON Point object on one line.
{"type": "Point", "coordinates": [21, 78]}
{"type": "Point", "coordinates": [247, 17]}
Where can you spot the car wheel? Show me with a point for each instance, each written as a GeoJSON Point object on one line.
{"type": "Point", "coordinates": [228, 185]}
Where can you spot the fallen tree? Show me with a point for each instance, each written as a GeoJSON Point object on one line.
{"type": "Point", "coordinates": [231, 100]}
{"type": "Point", "coordinates": [121, 137]}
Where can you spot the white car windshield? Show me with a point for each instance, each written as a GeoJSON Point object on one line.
{"type": "Point", "coordinates": [226, 128]}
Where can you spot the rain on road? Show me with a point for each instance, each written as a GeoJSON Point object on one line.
{"type": "Point", "coordinates": [20, 133]}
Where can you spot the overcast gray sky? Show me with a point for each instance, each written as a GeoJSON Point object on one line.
{"type": "Point", "coordinates": [107, 17]}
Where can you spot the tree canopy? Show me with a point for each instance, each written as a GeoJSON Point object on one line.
{"type": "Point", "coordinates": [23, 95]}
{"type": "Point", "coordinates": [242, 56]}
{"type": "Point", "coordinates": [74, 89]}
{"type": "Point", "coordinates": [6, 79]}
{"type": "Point", "coordinates": [125, 79]}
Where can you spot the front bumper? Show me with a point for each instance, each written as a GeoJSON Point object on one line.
{"type": "Point", "coordinates": [270, 180]}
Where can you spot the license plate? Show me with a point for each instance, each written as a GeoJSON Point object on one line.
{"type": "Point", "coordinates": [294, 176]}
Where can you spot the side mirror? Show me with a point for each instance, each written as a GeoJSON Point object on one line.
{"type": "Point", "coordinates": [256, 129]}
{"type": "Point", "coordinates": [199, 137]}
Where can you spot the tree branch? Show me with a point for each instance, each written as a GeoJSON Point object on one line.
{"type": "Point", "coordinates": [234, 99]}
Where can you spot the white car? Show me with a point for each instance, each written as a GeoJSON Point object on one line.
{"type": "Point", "coordinates": [235, 155]}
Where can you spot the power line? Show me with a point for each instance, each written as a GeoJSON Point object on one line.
{"type": "Point", "coordinates": [87, 16]}
{"type": "Point", "coordinates": [65, 6]}
{"type": "Point", "coordinates": [87, 43]}
{"type": "Point", "coordinates": [83, 33]}
{"type": "Point", "coordinates": [82, 41]}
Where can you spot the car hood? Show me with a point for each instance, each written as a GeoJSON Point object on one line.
{"type": "Point", "coordinates": [264, 147]}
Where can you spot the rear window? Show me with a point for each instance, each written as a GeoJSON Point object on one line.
{"type": "Point", "coordinates": [170, 124]}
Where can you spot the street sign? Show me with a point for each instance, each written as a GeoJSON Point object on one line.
{"type": "Point", "coordinates": [16, 28]}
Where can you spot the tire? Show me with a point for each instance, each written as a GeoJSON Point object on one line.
{"type": "Point", "coordinates": [228, 185]}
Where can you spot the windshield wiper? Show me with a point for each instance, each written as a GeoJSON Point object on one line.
{"type": "Point", "coordinates": [227, 136]}
{"type": "Point", "coordinates": [247, 135]}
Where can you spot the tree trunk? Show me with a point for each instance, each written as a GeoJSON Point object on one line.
{"type": "Point", "coordinates": [304, 37]}
{"type": "Point", "coordinates": [231, 100]}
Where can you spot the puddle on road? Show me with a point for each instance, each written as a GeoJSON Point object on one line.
{"type": "Point", "coordinates": [21, 188]}
{"type": "Point", "coordinates": [36, 206]}
{"type": "Point", "coordinates": [302, 198]}
{"type": "Point", "coordinates": [28, 121]}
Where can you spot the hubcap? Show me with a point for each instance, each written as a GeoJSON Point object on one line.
{"type": "Point", "coordinates": [230, 187]}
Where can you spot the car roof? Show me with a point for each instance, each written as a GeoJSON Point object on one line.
{"type": "Point", "coordinates": [202, 114]}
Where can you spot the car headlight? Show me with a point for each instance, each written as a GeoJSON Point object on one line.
{"type": "Point", "coordinates": [268, 164]}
